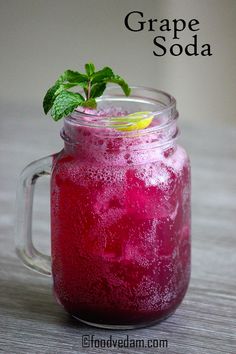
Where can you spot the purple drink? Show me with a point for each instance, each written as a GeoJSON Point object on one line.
{"type": "Point", "coordinates": [120, 223]}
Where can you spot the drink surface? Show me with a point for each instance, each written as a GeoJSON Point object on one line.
{"type": "Point", "coordinates": [120, 222]}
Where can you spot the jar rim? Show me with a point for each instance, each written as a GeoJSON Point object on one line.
{"type": "Point", "coordinates": [158, 104]}
{"type": "Point", "coordinates": [163, 104]}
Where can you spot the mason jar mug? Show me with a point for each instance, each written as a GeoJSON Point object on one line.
{"type": "Point", "coordinates": [120, 212]}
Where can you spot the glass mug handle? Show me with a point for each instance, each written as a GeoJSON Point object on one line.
{"type": "Point", "coordinates": [25, 249]}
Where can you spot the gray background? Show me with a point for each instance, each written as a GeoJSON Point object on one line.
{"type": "Point", "coordinates": [39, 39]}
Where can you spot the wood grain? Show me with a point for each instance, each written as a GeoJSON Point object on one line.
{"type": "Point", "coordinates": [30, 319]}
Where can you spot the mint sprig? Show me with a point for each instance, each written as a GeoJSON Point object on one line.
{"type": "Point", "coordinates": [61, 102]}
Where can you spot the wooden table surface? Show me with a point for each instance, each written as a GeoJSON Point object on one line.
{"type": "Point", "coordinates": [32, 322]}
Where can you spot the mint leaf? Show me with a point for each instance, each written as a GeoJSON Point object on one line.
{"type": "Point", "coordinates": [90, 103]}
{"type": "Point", "coordinates": [50, 97]}
{"type": "Point", "coordinates": [97, 90]}
{"type": "Point", "coordinates": [100, 75]}
{"type": "Point", "coordinates": [90, 69]}
{"type": "Point", "coordinates": [74, 76]}
{"type": "Point", "coordinates": [116, 79]}
{"type": "Point", "coordinates": [65, 103]}
{"type": "Point", "coordinates": [69, 85]}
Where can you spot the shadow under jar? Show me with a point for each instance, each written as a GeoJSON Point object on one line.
{"type": "Point", "coordinates": [120, 214]}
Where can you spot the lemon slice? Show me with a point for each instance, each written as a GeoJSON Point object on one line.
{"type": "Point", "coordinates": [137, 119]}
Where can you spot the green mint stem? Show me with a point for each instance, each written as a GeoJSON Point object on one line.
{"type": "Point", "coordinates": [89, 90]}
